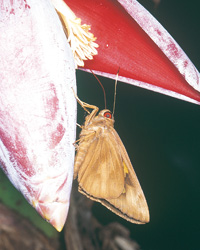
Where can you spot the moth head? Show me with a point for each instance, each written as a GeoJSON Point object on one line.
{"type": "Point", "coordinates": [106, 113]}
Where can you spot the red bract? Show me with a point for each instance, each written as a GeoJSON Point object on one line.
{"type": "Point", "coordinates": [130, 38]}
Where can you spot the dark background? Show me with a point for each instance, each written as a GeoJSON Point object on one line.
{"type": "Point", "coordinates": [162, 137]}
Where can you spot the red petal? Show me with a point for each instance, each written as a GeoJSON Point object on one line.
{"type": "Point", "coordinates": [146, 54]}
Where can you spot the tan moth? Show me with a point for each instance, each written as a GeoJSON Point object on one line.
{"type": "Point", "coordinates": [104, 170]}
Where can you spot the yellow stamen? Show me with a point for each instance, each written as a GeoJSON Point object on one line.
{"type": "Point", "coordinates": [79, 37]}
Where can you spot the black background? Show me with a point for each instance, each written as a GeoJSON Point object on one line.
{"type": "Point", "coordinates": [162, 137]}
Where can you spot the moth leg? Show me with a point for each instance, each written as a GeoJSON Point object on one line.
{"type": "Point", "coordinates": [85, 105]}
{"type": "Point", "coordinates": [75, 143]}
{"type": "Point", "coordinates": [82, 139]}
{"type": "Point", "coordinates": [79, 125]}
{"type": "Point", "coordinates": [85, 137]}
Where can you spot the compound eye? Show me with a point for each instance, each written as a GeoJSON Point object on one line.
{"type": "Point", "coordinates": [108, 115]}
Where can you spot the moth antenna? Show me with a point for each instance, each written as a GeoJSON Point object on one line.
{"type": "Point", "coordinates": [104, 93]}
{"type": "Point", "coordinates": [115, 91]}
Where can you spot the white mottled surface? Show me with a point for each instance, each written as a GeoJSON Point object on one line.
{"type": "Point", "coordinates": [37, 105]}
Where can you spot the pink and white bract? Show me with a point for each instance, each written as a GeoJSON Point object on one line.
{"type": "Point", "coordinates": [37, 106]}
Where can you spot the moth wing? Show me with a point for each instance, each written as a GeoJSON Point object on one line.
{"type": "Point", "coordinates": [131, 204]}
{"type": "Point", "coordinates": [101, 174]}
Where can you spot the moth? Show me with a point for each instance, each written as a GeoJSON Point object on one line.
{"type": "Point", "coordinates": [103, 168]}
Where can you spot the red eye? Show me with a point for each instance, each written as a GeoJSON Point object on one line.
{"type": "Point", "coordinates": [108, 115]}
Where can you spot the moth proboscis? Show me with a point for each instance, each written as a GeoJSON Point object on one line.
{"type": "Point", "coordinates": [103, 168]}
